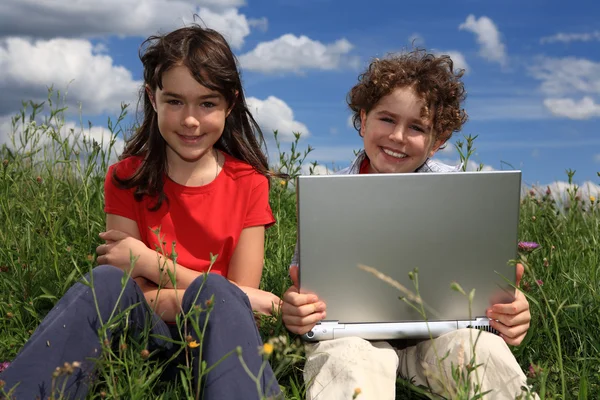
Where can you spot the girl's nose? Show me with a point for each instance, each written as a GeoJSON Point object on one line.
{"type": "Point", "coordinates": [190, 122]}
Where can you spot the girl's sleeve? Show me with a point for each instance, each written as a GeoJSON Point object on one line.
{"type": "Point", "coordinates": [116, 200]}
{"type": "Point", "coordinates": [259, 210]}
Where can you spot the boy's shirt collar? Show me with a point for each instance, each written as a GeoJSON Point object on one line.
{"type": "Point", "coordinates": [428, 166]}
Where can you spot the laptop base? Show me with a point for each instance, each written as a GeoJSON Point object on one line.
{"type": "Point", "coordinates": [328, 330]}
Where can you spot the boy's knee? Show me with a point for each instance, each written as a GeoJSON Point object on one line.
{"type": "Point", "coordinates": [488, 346]}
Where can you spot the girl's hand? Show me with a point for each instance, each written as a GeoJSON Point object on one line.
{"type": "Point", "coordinates": [262, 301]}
{"type": "Point", "coordinates": [301, 312]}
{"type": "Point", "coordinates": [512, 320]}
{"type": "Point", "coordinates": [118, 250]}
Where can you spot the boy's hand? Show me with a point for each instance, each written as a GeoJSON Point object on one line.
{"type": "Point", "coordinates": [512, 320]}
{"type": "Point", "coordinates": [301, 312]}
{"type": "Point", "coordinates": [118, 249]}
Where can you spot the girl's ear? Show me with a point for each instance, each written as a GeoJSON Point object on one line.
{"type": "Point", "coordinates": [363, 122]}
{"type": "Point", "coordinates": [237, 93]}
{"type": "Point", "coordinates": [151, 96]}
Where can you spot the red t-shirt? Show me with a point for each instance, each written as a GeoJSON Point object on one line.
{"type": "Point", "coordinates": [199, 220]}
{"type": "Point", "coordinates": [364, 166]}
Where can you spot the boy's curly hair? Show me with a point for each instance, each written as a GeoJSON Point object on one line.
{"type": "Point", "coordinates": [433, 78]}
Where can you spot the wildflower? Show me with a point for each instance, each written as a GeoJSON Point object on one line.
{"type": "Point", "coordinates": [528, 246]}
{"type": "Point", "coordinates": [208, 303]}
{"type": "Point", "coordinates": [546, 262]}
{"type": "Point", "coordinates": [3, 268]}
{"type": "Point", "coordinates": [90, 257]}
{"type": "Point", "coordinates": [282, 182]}
{"type": "Point", "coordinates": [548, 191]}
{"type": "Point", "coordinates": [9, 315]}
{"type": "Point", "coordinates": [534, 370]}
{"type": "Point", "coordinates": [532, 193]}
{"type": "Point", "coordinates": [39, 179]}
{"type": "Point", "coordinates": [68, 249]}
{"type": "Point", "coordinates": [193, 344]}
{"type": "Point", "coordinates": [145, 354]}
{"type": "Point", "coordinates": [123, 346]}
{"type": "Point", "coordinates": [4, 365]}
{"type": "Point", "coordinates": [189, 338]}
{"type": "Point", "coordinates": [267, 349]}
{"type": "Point", "coordinates": [592, 199]}
{"type": "Point", "coordinates": [540, 282]}
{"type": "Point", "coordinates": [357, 391]}
{"type": "Point", "coordinates": [533, 217]}
{"type": "Point", "coordinates": [5, 163]}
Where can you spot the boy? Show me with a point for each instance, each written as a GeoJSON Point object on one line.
{"type": "Point", "coordinates": [405, 108]}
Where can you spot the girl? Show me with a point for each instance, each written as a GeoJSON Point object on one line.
{"type": "Point", "coordinates": [405, 108]}
{"type": "Point", "coordinates": [194, 176]}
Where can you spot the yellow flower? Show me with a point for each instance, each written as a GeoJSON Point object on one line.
{"type": "Point", "coordinates": [193, 344]}
{"type": "Point", "coordinates": [282, 182]}
{"type": "Point", "coordinates": [592, 199]}
{"type": "Point", "coordinates": [357, 391]}
{"type": "Point", "coordinates": [267, 349]}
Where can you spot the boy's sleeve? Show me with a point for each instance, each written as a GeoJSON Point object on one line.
{"type": "Point", "coordinates": [116, 200]}
{"type": "Point", "coordinates": [259, 210]}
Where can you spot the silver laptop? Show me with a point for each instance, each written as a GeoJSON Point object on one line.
{"type": "Point", "coordinates": [357, 232]}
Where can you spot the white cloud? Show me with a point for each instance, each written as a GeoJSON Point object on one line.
{"type": "Point", "coordinates": [597, 158]}
{"type": "Point", "coordinates": [471, 165]}
{"type": "Point", "coordinates": [351, 121]}
{"type": "Point", "coordinates": [29, 67]}
{"type": "Point", "coordinates": [458, 59]}
{"type": "Point", "coordinates": [559, 190]}
{"type": "Point", "coordinates": [274, 114]}
{"type": "Point", "coordinates": [308, 169]}
{"type": "Point", "coordinates": [290, 53]}
{"type": "Point", "coordinates": [41, 135]}
{"type": "Point", "coordinates": [230, 23]}
{"type": "Point", "coordinates": [560, 76]}
{"type": "Point", "coordinates": [262, 24]}
{"type": "Point", "coordinates": [586, 108]}
{"type": "Point", "coordinates": [91, 18]}
{"type": "Point", "coordinates": [416, 40]}
{"type": "Point", "coordinates": [571, 37]}
{"type": "Point", "coordinates": [488, 37]}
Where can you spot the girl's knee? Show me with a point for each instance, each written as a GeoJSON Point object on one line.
{"type": "Point", "coordinates": [106, 274]}
{"type": "Point", "coordinates": [208, 285]}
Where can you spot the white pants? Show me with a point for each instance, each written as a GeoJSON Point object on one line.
{"type": "Point", "coordinates": [335, 369]}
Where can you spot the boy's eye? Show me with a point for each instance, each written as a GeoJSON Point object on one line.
{"type": "Point", "coordinates": [387, 119]}
{"type": "Point", "coordinates": [417, 128]}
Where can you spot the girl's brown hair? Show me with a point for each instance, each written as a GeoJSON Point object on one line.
{"type": "Point", "coordinates": [211, 62]}
{"type": "Point", "coordinates": [433, 78]}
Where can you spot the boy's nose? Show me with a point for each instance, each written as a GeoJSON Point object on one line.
{"type": "Point", "coordinates": [398, 134]}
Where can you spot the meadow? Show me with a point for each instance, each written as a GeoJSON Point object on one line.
{"type": "Point", "coordinates": [51, 211]}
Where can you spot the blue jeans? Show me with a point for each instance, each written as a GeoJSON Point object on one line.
{"type": "Point", "coordinates": [70, 333]}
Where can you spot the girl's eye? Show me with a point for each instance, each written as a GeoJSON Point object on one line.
{"type": "Point", "coordinates": [173, 102]}
{"type": "Point", "coordinates": [208, 104]}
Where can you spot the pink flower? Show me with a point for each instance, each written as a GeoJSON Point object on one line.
{"type": "Point", "coordinates": [4, 365]}
{"type": "Point", "coordinates": [540, 282]}
{"type": "Point", "coordinates": [528, 246]}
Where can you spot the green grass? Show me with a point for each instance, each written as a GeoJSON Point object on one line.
{"type": "Point", "coordinates": [51, 210]}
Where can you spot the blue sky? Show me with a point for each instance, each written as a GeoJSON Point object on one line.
{"type": "Point", "coordinates": [533, 68]}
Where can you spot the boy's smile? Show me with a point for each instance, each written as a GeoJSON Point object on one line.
{"type": "Point", "coordinates": [396, 138]}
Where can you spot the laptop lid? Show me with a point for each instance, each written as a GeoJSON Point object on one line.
{"type": "Point", "coordinates": [453, 227]}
